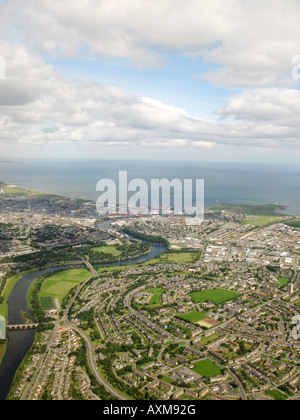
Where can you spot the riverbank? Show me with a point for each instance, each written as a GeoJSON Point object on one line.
{"type": "Point", "coordinates": [19, 343]}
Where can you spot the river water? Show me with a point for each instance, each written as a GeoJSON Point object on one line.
{"type": "Point", "coordinates": [19, 342]}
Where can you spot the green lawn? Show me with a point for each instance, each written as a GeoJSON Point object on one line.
{"type": "Point", "coordinates": [176, 257]}
{"type": "Point", "coordinates": [2, 351]}
{"type": "Point", "coordinates": [207, 369]}
{"type": "Point", "coordinates": [283, 281]}
{"type": "Point", "coordinates": [47, 303]}
{"type": "Point", "coordinates": [58, 285]}
{"type": "Point", "coordinates": [267, 214]}
{"type": "Point", "coordinates": [107, 250]}
{"type": "Point", "coordinates": [207, 340]}
{"type": "Point", "coordinates": [216, 296]}
{"type": "Point", "coordinates": [264, 221]}
{"type": "Point", "coordinates": [254, 210]}
{"type": "Point", "coordinates": [277, 395]}
{"type": "Point", "coordinates": [193, 316]}
{"type": "Point", "coordinates": [156, 298]}
{"type": "Point", "coordinates": [14, 190]}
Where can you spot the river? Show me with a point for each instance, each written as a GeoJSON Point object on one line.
{"type": "Point", "coordinates": [19, 342]}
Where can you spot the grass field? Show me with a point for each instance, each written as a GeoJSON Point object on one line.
{"type": "Point", "coordinates": [263, 221]}
{"type": "Point", "coordinates": [156, 298]}
{"type": "Point", "coordinates": [207, 340]}
{"type": "Point", "coordinates": [14, 190]}
{"type": "Point", "coordinates": [277, 395]}
{"type": "Point", "coordinates": [58, 285]}
{"type": "Point", "coordinates": [207, 369]}
{"type": "Point", "coordinates": [193, 316]}
{"type": "Point", "coordinates": [294, 223]}
{"type": "Point", "coordinates": [107, 250]}
{"type": "Point", "coordinates": [267, 214]}
{"type": "Point", "coordinates": [254, 210]}
{"type": "Point", "coordinates": [282, 282]}
{"type": "Point", "coordinates": [216, 296]}
{"type": "Point", "coordinates": [173, 258]}
{"type": "Point", "coordinates": [47, 303]}
{"type": "Point", "coordinates": [2, 351]}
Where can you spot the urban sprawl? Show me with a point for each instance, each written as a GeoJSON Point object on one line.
{"type": "Point", "coordinates": [212, 317]}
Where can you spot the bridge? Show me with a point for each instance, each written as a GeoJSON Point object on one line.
{"type": "Point", "coordinates": [90, 267]}
{"type": "Point", "coordinates": [22, 327]}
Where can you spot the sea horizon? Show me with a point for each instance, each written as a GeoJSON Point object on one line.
{"type": "Point", "coordinates": [225, 183]}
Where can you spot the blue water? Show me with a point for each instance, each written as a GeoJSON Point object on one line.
{"type": "Point", "coordinates": [224, 183]}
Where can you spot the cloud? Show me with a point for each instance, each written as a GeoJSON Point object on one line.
{"type": "Point", "coordinates": [251, 42]}
{"type": "Point", "coordinates": [38, 105]}
{"type": "Point", "coordinates": [273, 105]}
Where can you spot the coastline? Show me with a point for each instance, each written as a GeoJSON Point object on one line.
{"type": "Point", "coordinates": [255, 211]}
{"type": "Point", "coordinates": [234, 183]}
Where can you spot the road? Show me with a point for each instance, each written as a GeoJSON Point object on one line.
{"type": "Point", "coordinates": [90, 349]}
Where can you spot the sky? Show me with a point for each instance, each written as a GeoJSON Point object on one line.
{"type": "Point", "coordinates": [155, 79]}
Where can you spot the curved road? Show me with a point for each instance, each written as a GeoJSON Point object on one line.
{"type": "Point", "coordinates": [90, 353]}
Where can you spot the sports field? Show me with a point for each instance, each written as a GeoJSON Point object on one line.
{"type": "Point", "coordinates": [107, 250]}
{"type": "Point", "coordinates": [58, 285]}
{"type": "Point", "coordinates": [47, 303]}
{"type": "Point", "coordinates": [193, 316]}
{"type": "Point", "coordinates": [217, 296]}
{"type": "Point", "coordinates": [207, 369]}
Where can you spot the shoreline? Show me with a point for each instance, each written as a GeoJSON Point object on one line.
{"type": "Point", "coordinates": [27, 192]}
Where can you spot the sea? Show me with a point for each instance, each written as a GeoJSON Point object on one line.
{"type": "Point", "coordinates": [225, 183]}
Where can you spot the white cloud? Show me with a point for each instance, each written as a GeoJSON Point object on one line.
{"type": "Point", "coordinates": [38, 105]}
{"type": "Point", "coordinates": [251, 41]}
{"type": "Point", "coordinates": [276, 105]}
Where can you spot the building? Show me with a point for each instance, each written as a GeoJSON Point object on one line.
{"type": "Point", "coordinates": [290, 289]}
{"type": "Point", "coordinates": [2, 328]}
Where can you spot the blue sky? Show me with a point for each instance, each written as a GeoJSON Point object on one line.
{"type": "Point", "coordinates": [158, 79]}
{"type": "Point", "coordinates": [177, 82]}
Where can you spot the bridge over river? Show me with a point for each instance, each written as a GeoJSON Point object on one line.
{"type": "Point", "coordinates": [21, 327]}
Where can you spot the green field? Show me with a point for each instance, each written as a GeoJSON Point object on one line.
{"type": "Point", "coordinates": [193, 316]}
{"type": "Point", "coordinates": [58, 285]}
{"type": "Point", "coordinates": [174, 257]}
{"type": "Point", "coordinates": [14, 190]}
{"type": "Point", "coordinates": [295, 223]}
{"type": "Point", "coordinates": [263, 221]}
{"type": "Point", "coordinates": [207, 340]}
{"type": "Point", "coordinates": [156, 298]}
{"type": "Point", "coordinates": [254, 210]}
{"type": "Point", "coordinates": [282, 282]}
{"type": "Point", "coordinates": [217, 296]}
{"type": "Point", "coordinates": [207, 369]}
{"type": "Point", "coordinates": [277, 395]}
{"type": "Point", "coordinates": [267, 214]}
{"type": "Point", "coordinates": [107, 250]}
{"type": "Point", "coordinates": [47, 303]}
